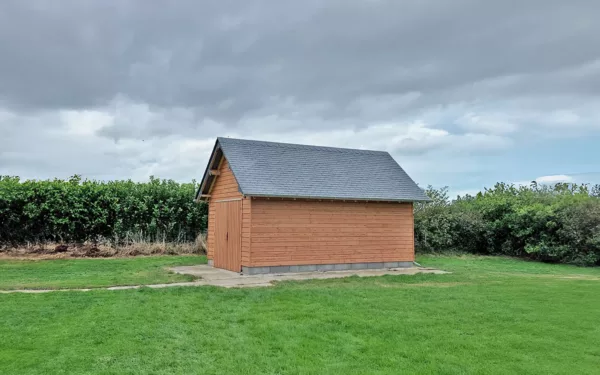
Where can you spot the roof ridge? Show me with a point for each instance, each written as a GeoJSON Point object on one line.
{"type": "Point", "coordinates": [299, 145]}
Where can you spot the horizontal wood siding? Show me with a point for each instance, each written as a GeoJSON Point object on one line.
{"type": "Point", "coordinates": [225, 187]}
{"type": "Point", "coordinates": [298, 232]}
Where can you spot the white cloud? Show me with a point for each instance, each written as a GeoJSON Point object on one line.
{"type": "Point", "coordinates": [65, 142]}
{"type": "Point", "coordinates": [403, 138]}
{"type": "Point", "coordinates": [85, 122]}
{"type": "Point", "coordinates": [78, 142]}
{"type": "Point", "coordinates": [486, 123]}
{"type": "Point", "coordinates": [554, 179]}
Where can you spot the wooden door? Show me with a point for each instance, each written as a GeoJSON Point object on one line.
{"type": "Point", "coordinates": [228, 235]}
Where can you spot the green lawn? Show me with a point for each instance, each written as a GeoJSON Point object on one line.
{"type": "Point", "coordinates": [92, 273]}
{"type": "Point", "coordinates": [491, 315]}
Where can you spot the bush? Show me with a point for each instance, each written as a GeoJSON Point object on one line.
{"type": "Point", "coordinates": [77, 210]}
{"type": "Point", "coordinates": [558, 223]}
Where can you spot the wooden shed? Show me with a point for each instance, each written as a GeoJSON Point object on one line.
{"type": "Point", "coordinates": [277, 207]}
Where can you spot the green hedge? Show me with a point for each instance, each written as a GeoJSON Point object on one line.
{"type": "Point", "coordinates": [553, 224]}
{"type": "Point", "coordinates": [77, 210]}
{"type": "Point", "coordinates": [558, 223]}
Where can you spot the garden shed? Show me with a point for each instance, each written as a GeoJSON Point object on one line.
{"type": "Point", "coordinates": [278, 207]}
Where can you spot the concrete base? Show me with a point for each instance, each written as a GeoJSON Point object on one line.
{"type": "Point", "coordinates": [215, 276]}
{"type": "Point", "coordinates": [324, 267]}
{"type": "Point", "coordinates": [211, 262]}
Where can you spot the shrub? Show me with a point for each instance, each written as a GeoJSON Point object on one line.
{"type": "Point", "coordinates": [558, 223]}
{"type": "Point", "coordinates": [77, 210]}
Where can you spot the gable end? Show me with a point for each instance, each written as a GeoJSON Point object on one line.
{"type": "Point", "coordinates": [217, 169]}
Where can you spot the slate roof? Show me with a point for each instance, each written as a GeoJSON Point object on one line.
{"type": "Point", "coordinates": [269, 169]}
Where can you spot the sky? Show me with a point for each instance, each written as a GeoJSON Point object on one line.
{"type": "Point", "coordinates": [462, 93]}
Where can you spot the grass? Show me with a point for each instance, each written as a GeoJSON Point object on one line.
{"type": "Point", "coordinates": [491, 315]}
{"type": "Point", "coordinates": [92, 273]}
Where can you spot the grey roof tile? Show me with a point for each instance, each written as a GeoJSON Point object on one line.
{"type": "Point", "coordinates": [301, 171]}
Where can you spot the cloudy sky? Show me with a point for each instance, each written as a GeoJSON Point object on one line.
{"type": "Point", "coordinates": [462, 93]}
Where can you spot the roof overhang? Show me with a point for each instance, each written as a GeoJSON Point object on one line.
{"type": "Point", "coordinates": [335, 198]}
{"type": "Point", "coordinates": [208, 178]}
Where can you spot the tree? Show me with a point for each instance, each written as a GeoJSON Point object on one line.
{"type": "Point", "coordinates": [439, 197]}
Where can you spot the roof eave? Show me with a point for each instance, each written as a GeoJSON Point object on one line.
{"type": "Point", "coordinates": [207, 177]}
{"type": "Point", "coordinates": [406, 200]}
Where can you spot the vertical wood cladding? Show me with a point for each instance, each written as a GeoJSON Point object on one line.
{"type": "Point", "coordinates": [225, 187]}
{"type": "Point", "coordinates": [228, 235]}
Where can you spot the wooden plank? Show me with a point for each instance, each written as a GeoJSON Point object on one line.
{"type": "Point", "coordinates": [393, 232]}
{"type": "Point", "coordinates": [312, 232]}
{"type": "Point", "coordinates": [224, 220]}
{"type": "Point", "coordinates": [228, 234]}
{"type": "Point", "coordinates": [327, 230]}
{"type": "Point", "coordinates": [225, 185]}
{"type": "Point", "coordinates": [246, 230]}
{"type": "Point", "coordinates": [220, 233]}
{"type": "Point", "coordinates": [234, 228]}
{"type": "Point", "coordinates": [357, 226]}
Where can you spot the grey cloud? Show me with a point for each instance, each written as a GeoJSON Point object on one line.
{"type": "Point", "coordinates": [350, 62]}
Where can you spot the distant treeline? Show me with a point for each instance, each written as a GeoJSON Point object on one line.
{"type": "Point", "coordinates": [559, 223]}
{"type": "Point", "coordinates": [77, 210]}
